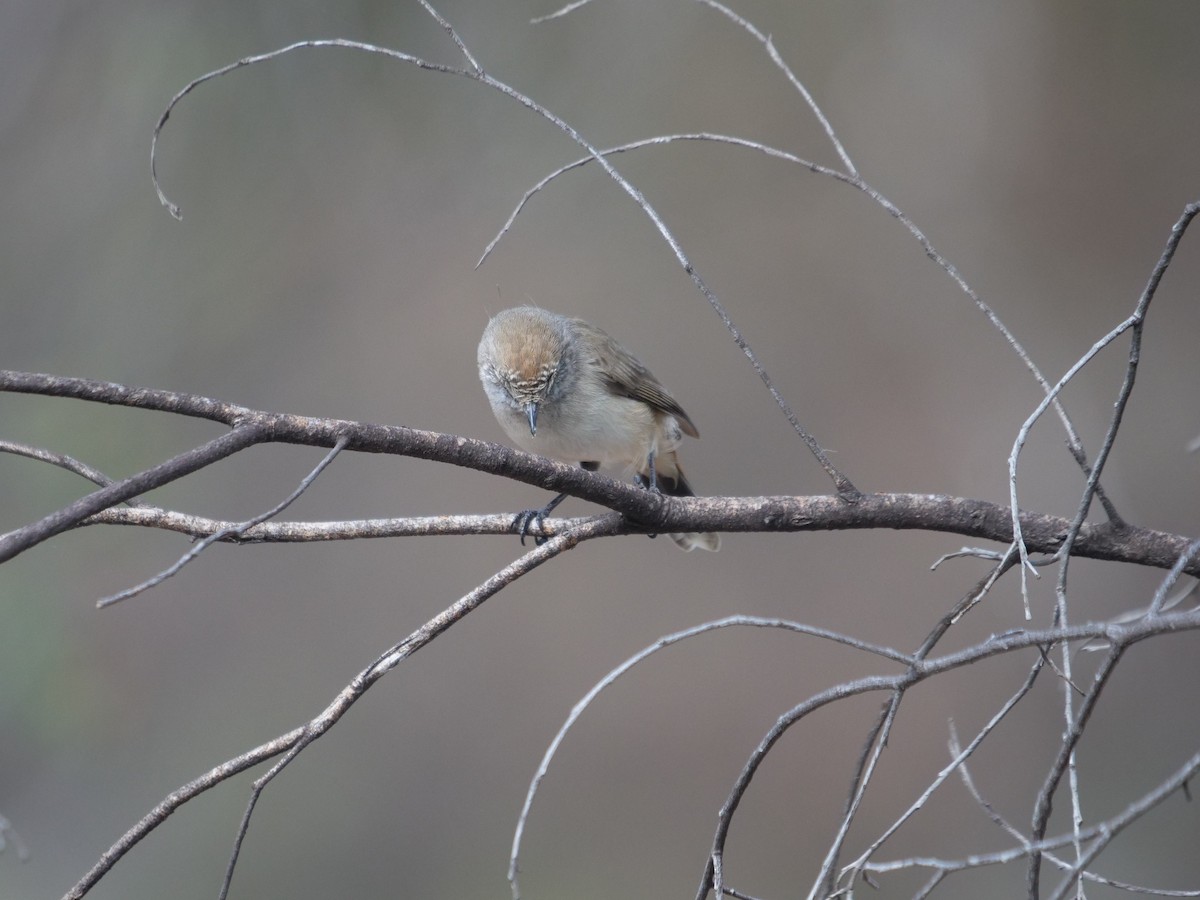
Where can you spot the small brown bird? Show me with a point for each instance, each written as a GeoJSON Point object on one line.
{"type": "Point", "coordinates": [563, 388]}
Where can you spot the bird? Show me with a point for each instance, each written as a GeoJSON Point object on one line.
{"type": "Point", "coordinates": [563, 388]}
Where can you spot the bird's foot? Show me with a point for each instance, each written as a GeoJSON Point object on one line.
{"type": "Point", "coordinates": [524, 521]}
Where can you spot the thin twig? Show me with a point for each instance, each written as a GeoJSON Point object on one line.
{"type": "Point", "coordinates": [960, 757]}
{"type": "Point", "coordinates": [662, 643]}
{"type": "Point", "coordinates": [796, 83]}
{"type": "Point", "coordinates": [738, 895]}
{"type": "Point", "coordinates": [159, 814]}
{"type": "Point", "coordinates": [1137, 320]}
{"type": "Point", "coordinates": [450, 31]}
{"type": "Point", "coordinates": [233, 533]}
{"type": "Point", "coordinates": [880, 730]}
{"type": "Point", "coordinates": [1159, 604]}
{"type": "Point", "coordinates": [969, 553]}
{"type": "Point", "coordinates": [659, 140]}
{"type": "Point", "coordinates": [176, 467]}
{"type": "Point", "coordinates": [1023, 435]}
{"type": "Point", "coordinates": [928, 888]}
{"type": "Point", "coordinates": [95, 476]}
{"type": "Point", "coordinates": [990, 811]}
{"type": "Point", "coordinates": [1062, 617]}
{"type": "Point", "coordinates": [1044, 803]}
{"type": "Point", "coordinates": [346, 698]}
{"type": "Point", "coordinates": [173, 208]}
{"type": "Point", "coordinates": [1118, 635]}
{"type": "Point", "coordinates": [1103, 832]}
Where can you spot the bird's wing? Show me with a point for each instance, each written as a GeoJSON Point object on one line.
{"type": "Point", "coordinates": [627, 377]}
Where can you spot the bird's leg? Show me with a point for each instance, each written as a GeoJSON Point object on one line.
{"type": "Point", "coordinates": [650, 480]}
{"type": "Point", "coordinates": [525, 520]}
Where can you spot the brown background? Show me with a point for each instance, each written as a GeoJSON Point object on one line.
{"type": "Point", "coordinates": [334, 206]}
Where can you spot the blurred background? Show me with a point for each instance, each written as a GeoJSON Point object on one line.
{"type": "Point", "coordinates": [334, 205]}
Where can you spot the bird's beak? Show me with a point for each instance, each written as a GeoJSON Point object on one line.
{"type": "Point", "coordinates": [532, 410]}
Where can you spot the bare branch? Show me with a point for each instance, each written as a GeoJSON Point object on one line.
{"type": "Point", "coordinates": [308, 532]}
{"type": "Point", "coordinates": [769, 46]}
{"type": "Point", "coordinates": [176, 799]}
{"type": "Point", "coordinates": [1102, 833]}
{"type": "Point", "coordinates": [193, 405]}
{"type": "Point", "coordinates": [1135, 352]}
{"type": "Point", "coordinates": [930, 512]}
{"type": "Point", "coordinates": [458, 41]}
{"type": "Point", "coordinates": [1160, 603]}
{"type": "Point", "coordinates": [1121, 636]}
{"type": "Point", "coordinates": [661, 643]}
{"type": "Point", "coordinates": [1023, 435]}
{"type": "Point", "coordinates": [1134, 324]}
{"type": "Point", "coordinates": [569, 8]}
{"type": "Point", "coordinates": [960, 757]}
{"type": "Point", "coordinates": [234, 533]}
{"type": "Point", "coordinates": [651, 142]}
{"type": "Point", "coordinates": [646, 511]}
{"type": "Point", "coordinates": [62, 461]}
{"type": "Point", "coordinates": [1045, 798]}
{"type": "Point", "coordinates": [738, 895]}
{"type": "Point", "coordinates": [877, 736]}
{"type": "Point", "coordinates": [298, 738]}
{"type": "Point", "coordinates": [22, 539]}
{"type": "Point", "coordinates": [173, 208]}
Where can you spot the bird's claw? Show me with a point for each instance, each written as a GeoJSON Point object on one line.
{"type": "Point", "coordinates": [524, 522]}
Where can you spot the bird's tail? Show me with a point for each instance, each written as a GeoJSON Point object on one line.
{"type": "Point", "coordinates": [671, 481]}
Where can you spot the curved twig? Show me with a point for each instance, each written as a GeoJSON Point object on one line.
{"type": "Point", "coordinates": [968, 781]}
{"type": "Point", "coordinates": [1102, 834]}
{"type": "Point", "coordinates": [881, 729]}
{"type": "Point", "coordinates": [296, 739]}
{"type": "Point", "coordinates": [961, 755]}
{"type": "Point", "coordinates": [63, 461]}
{"type": "Point", "coordinates": [233, 533]}
{"type": "Point", "coordinates": [1121, 636]}
{"type": "Point", "coordinates": [660, 644]}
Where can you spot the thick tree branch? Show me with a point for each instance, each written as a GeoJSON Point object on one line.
{"type": "Point", "coordinates": [20, 540]}
{"type": "Point", "coordinates": [644, 511]}
{"type": "Point", "coordinates": [903, 512]}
